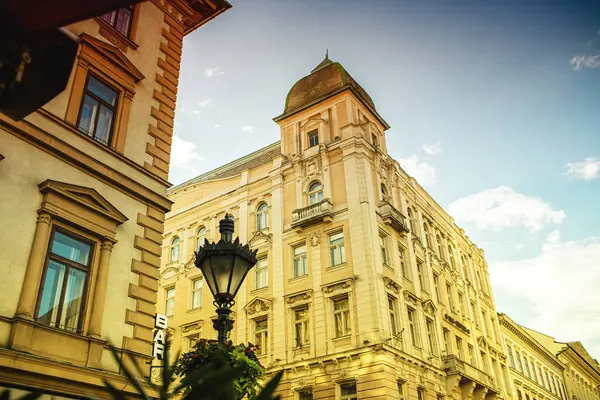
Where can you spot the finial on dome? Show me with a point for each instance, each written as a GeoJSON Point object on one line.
{"type": "Point", "coordinates": [327, 54]}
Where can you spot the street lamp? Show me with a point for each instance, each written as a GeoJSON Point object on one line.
{"type": "Point", "coordinates": [224, 265]}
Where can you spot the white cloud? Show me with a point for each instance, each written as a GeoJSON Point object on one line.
{"type": "Point", "coordinates": [433, 148]}
{"type": "Point", "coordinates": [184, 153]}
{"type": "Point", "coordinates": [502, 207]}
{"type": "Point", "coordinates": [248, 128]}
{"type": "Point", "coordinates": [216, 125]}
{"type": "Point", "coordinates": [204, 103]}
{"type": "Point", "coordinates": [562, 285]}
{"type": "Point", "coordinates": [587, 61]}
{"type": "Point", "coordinates": [587, 169]}
{"type": "Point", "coordinates": [423, 172]}
{"type": "Point", "coordinates": [213, 72]}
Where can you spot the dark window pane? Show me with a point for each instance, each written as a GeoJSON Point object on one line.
{"type": "Point", "coordinates": [124, 21]}
{"type": "Point", "coordinates": [70, 248]}
{"type": "Point", "coordinates": [73, 301]}
{"type": "Point", "coordinates": [348, 388]}
{"type": "Point", "coordinates": [102, 91]}
{"type": "Point", "coordinates": [104, 124]}
{"type": "Point", "coordinates": [88, 114]}
{"type": "Point", "coordinates": [110, 17]}
{"type": "Point", "coordinates": [48, 310]}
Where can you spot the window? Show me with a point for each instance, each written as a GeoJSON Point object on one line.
{"type": "Point", "coordinates": [341, 316]}
{"type": "Point", "coordinates": [374, 139]}
{"type": "Point", "coordinates": [384, 253]}
{"type": "Point", "coordinates": [485, 323]}
{"type": "Point", "coordinates": [449, 293]}
{"type": "Point", "coordinates": [484, 361]}
{"type": "Point", "coordinates": [420, 394]}
{"type": "Point", "coordinates": [403, 262]}
{"type": "Point", "coordinates": [541, 376]}
{"type": "Point", "coordinates": [511, 359]}
{"type": "Point", "coordinates": [427, 237]}
{"type": "Point", "coordinates": [384, 193]}
{"type": "Point", "coordinates": [174, 250]}
{"type": "Point", "coordinates": [64, 284]}
{"type": "Point", "coordinates": [535, 378]}
{"type": "Point", "coordinates": [422, 278]}
{"type": "Point", "coordinates": [465, 269]}
{"type": "Point", "coordinates": [262, 273]}
{"type": "Point", "coordinates": [519, 395]}
{"type": "Point", "coordinates": [436, 286]}
{"type": "Point", "coordinates": [315, 193]}
{"type": "Point", "coordinates": [262, 217]}
{"type": "Point", "coordinates": [393, 310]}
{"type": "Point", "coordinates": [170, 302]}
{"type": "Point", "coordinates": [526, 366]}
{"type": "Point", "coordinates": [475, 315]}
{"type": "Point", "coordinates": [348, 391]}
{"type": "Point", "coordinates": [301, 332]}
{"type": "Point", "coordinates": [519, 364]}
{"type": "Point", "coordinates": [300, 265]}
{"type": "Point", "coordinates": [438, 239]}
{"type": "Point", "coordinates": [553, 385]}
{"type": "Point", "coordinates": [446, 334]}
{"type": "Point", "coordinates": [337, 249]}
{"type": "Point", "coordinates": [472, 359]}
{"type": "Point", "coordinates": [313, 138]}
{"type": "Point", "coordinates": [412, 327]}
{"type": "Point", "coordinates": [401, 389]}
{"type": "Point", "coordinates": [192, 340]}
{"type": "Point", "coordinates": [201, 237]}
{"type": "Point", "coordinates": [461, 304]}
{"type": "Point", "coordinates": [430, 325]}
{"type": "Point", "coordinates": [305, 394]}
{"type": "Point", "coordinates": [120, 19]}
{"type": "Point", "coordinates": [197, 293]}
{"type": "Point", "coordinates": [261, 335]}
{"type": "Point", "coordinates": [413, 221]}
{"type": "Point", "coordinates": [451, 257]}
{"type": "Point", "coordinates": [459, 348]}
{"type": "Point", "coordinates": [98, 109]}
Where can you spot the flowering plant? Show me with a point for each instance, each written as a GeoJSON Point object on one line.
{"type": "Point", "coordinates": [242, 357]}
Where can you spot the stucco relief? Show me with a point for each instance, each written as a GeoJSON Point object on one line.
{"type": "Point", "coordinates": [410, 298]}
{"type": "Point", "coordinates": [300, 297]}
{"type": "Point", "coordinates": [336, 287]}
{"type": "Point", "coordinates": [259, 238]}
{"type": "Point", "coordinates": [315, 238]}
{"type": "Point", "coordinates": [391, 285]}
{"type": "Point", "coordinates": [257, 305]}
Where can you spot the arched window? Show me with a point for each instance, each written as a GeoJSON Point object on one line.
{"type": "Point", "coordinates": [384, 195]}
{"type": "Point", "coordinates": [262, 217]}
{"type": "Point", "coordinates": [427, 237]}
{"type": "Point", "coordinates": [438, 239]}
{"type": "Point", "coordinates": [451, 257]}
{"type": "Point", "coordinates": [175, 249]}
{"type": "Point", "coordinates": [315, 193]}
{"type": "Point", "coordinates": [201, 236]}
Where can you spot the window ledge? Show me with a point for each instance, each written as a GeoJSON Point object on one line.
{"type": "Point", "coordinates": [298, 278]}
{"type": "Point", "coordinates": [336, 339]}
{"type": "Point", "coordinates": [388, 266]}
{"type": "Point", "coordinates": [115, 37]}
{"type": "Point", "coordinates": [259, 290]}
{"type": "Point", "coordinates": [194, 310]}
{"type": "Point", "coordinates": [337, 266]}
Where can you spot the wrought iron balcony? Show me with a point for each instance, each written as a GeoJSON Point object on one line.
{"type": "Point", "coordinates": [393, 217]}
{"type": "Point", "coordinates": [313, 214]}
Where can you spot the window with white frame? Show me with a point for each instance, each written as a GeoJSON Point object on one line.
{"type": "Point", "coordinates": [402, 256]}
{"type": "Point", "coordinates": [300, 264]}
{"type": "Point", "coordinates": [341, 316]}
{"type": "Point", "coordinates": [197, 293]}
{"type": "Point", "coordinates": [301, 329]}
{"type": "Point", "coordinates": [315, 193]}
{"type": "Point", "coordinates": [413, 327]}
{"type": "Point", "coordinates": [170, 301]}
{"type": "Point", "coordinates": [262, 273]}
{"type": "Point", "coordinates": [262, 217]}
{"type": "Point", "coordinates": [431, 336]}
{"type": "Point", "coordinates": [394, 319]}
{"type": "Point", "coordinates": [337, 249]}
{"type": "Point", "coordinates": [174, 249]}
{"type": "Point", "coordinates": [313, 138]}
{"type": "Point", "coordinates": [200, 237]}
{"type": "Point", "coordinates": [261, 336]}
{"type": "Point", "coordinates": [383, 246]}
{"type": "Point", "coordinates": [348, 391]}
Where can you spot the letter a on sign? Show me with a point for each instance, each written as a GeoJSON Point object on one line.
{"type": "Point", "coordinates": [160, 321]}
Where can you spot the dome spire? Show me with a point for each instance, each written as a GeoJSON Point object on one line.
{"type": "Point", "coordinates": [325, 63]}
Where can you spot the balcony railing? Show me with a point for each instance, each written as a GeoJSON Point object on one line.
{"type": "Point", "coordinates": [392, 217]}
{"type": "Point", "coordinates": [313, 214]}
{"type": "Point", "coordinates": [453, 366]}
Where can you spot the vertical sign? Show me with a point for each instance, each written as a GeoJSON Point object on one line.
{"type": "Point", "coordinates": [158, 346]}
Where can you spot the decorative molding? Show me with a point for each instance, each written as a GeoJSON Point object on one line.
{"type": "Point", "coordinates": [411, 298]}
{"type": "Point", "coordinates": [457, 323]}
{"type": "Point", "coordinates": [258, 305]}
{"type": "Point", "coordinates": [196, 326]}
{"type": "Point", "coordinates": [260, 236]}
{"type": "Point", "coordinates": [428, 307]}
{"type": "Point", "coordinates": [113, 54]}
{"type": "Point", "coordinates": [315, 238]}
{"type": "Point", "coordinates": [391, 285]}
{"type": "Point", "coordinates": [338, 286]}
{"type": "Point", "coordinates": [299, 297]}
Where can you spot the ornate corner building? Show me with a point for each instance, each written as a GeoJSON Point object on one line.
{"type": "Point", "coordinates": [83, 184]}
{"type": "Point", "coordinates": [365, 287]}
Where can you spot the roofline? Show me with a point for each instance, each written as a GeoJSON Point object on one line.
{"type": "Point", "coordinates": [592, 367]}
{"type": "Point", "coordinates": [230, 164]}
{"type": "Point", "coordinates": [346, 86]}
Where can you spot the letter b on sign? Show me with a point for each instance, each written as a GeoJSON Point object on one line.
{"type": "Point", "coordinates": [160, 321]}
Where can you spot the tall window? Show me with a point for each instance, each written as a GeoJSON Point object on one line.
{"type": "Point", "coordinates": [554, 385]}
{"type": "Point", "coordinates": [393, 310]}
{"type": "Point", "coordinates": [427, 237]}
{"type": "Point", "coordinates": [485, 323]}
{"type": "Point", "coordinates": [420, 394]}
{"type": "Point", "coordinates": [374, 139]}
{"type": "Point", "coordinates": [519, 364]}
{"type": "Point", "coordinates": [472, 359]}
{"type": "Point", "coordinates": [305, 394]}
{"type": "Point", "coordinates": [301, 332]}
{"type": "Point", "coordinates": [170, 301]}
{"type": "Point", "coordinates": [475, 317]}
{"type": "Point", "coordinates": [465, 268]}
{"type": "Point", "coordinates": [449, 293]}
{"type": "Point", "coordinates": [120, 19]}
{"type": "Point", "coordinates": [547, 380]}
{"type": "Point", "coordinates": [412, 327]}
{"type": "Point", "coordinates": [535, 378]}
{"type": "Point", "coordinates": [64, 283]}
{"type": "Point", "coordinates": [98, 109]}
{"type": "Point", "coordinates": [341, 316]}
{"type": "Point", "coordinates": [300, 265]}
{"type": "Point", "coordinates": [348, 391]}
{"type": "Point", "coordinates": [511, 358]}
{"type": "Point", "coordinates": [401, 389]}
{"type": "Point", "coordinates": [446, 336]}
{"type": "Point", "coordinates": [262, 217]}
{"type": "Point", "coordinates": [200, 237]}
{"type": "Point", "coordinates": [484, 361]}
{"type": "Point", "coordinates": [337, 249]}
{"type": "Point", "coordinates": [174, 250]}
{"type": "Point", "coordinates": [197, 293]}
{"type": "Point", "coordinates": [436, 286]}
{"type": "Point", "coordinates": [384, 195]}
{"type": "Point", "coordinates": [384, 253]}
{"type": "Point", "coordinates": [527, 371]}
{"type": "Point", "coordinates": [262, 273]}
{"type": "Point", "coordinates": [461, 304]}
{"type": "Point", "coordinates": [438, 239]}
{"type": "Point", "coordinates": [313, 138]}
{"type": "Point", "coordinates": [431, 336]}
{"type": "Point", "coordinates": [422, 278]}
{"type": "Point", "coordinates": [403, 262]}
{"type": "Point", "coordinates": [413, 222]}
{"type": "Point", "coordinates": [541, 375]}
{"type": "Point", "coordinates": [459, 348]}
{"type": "Point", "coordinates": [261, 335]}
{"type": "Point", "coordinates": [451, 257]}
{"type": "Point", "coordinates": [315, 193]}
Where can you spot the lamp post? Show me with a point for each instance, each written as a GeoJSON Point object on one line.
{"type": "Point", "coordinates": [224, 265]}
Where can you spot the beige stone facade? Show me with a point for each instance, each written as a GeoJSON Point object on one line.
{"type": "Point", "coordinates": [83, 198]}
{"type": "Point", "coordinates": [365, 287]}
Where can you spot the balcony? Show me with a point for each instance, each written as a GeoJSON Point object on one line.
{"type": "Point", "coordinates": [313, 214]}
{"type": "Point", "coordinates": [392, 217]}
{"type": "Point", "coordinates": [467, 378]}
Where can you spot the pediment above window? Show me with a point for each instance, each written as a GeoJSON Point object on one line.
{"type": "Point", "coordinates": [258, 305]}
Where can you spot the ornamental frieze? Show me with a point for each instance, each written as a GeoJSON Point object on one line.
{"type": "Point", "coordinates": [300, 297]}
{"type": "Point", "coordinates": [257, 305]}
{"type": "Point", "coordinates": [391, 285]}
{"type": "Point", "coordinates": [336, 287]}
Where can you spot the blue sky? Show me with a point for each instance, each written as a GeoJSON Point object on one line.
{"type": "Point", "coordinates": [494, 108]}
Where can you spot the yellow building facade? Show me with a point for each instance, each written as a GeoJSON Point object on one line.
{"type": "Point", "coordinates": [83, 184]}
{"type": "Point", "coordinates": [364, 286]}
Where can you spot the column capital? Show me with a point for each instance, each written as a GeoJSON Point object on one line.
{"type": "Point", "coordinates": [44, 217]}
{"type": "Point", "coordinates": [106, 245]}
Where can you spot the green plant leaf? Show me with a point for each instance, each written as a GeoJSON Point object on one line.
{"type": "Point", "coordinates": [130, 378]}
{"type": "Point", "coordinates": [116, 394]}
{"type": "Point", "coordinates": [269, 389]}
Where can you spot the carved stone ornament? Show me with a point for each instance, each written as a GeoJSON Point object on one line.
{"type": "Point", "coordinates": [411, 298]}
{"type": "Point", "coordinates": [336, 287]}
{"type": "Point", "coordinates": [315, 238]}
{"type": "Point", "coordinates": [257, 305]}
{"type": "Point", "coordinates": [482, 342]}
{"type": "Point", "coordinates": [300, 297]}
{"type": "Point", "coordinates": [260, 236]}
{"type": "Point", "coordinates": [429, 307]}
{"type": "Point", "coordinates": [193, 327]}
{"type": "Point", "coordinates": [312, 168]}
{"type": "Point", "coordinates": [391, 285]}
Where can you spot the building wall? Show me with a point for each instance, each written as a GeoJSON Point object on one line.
{"type": "Point", "coordinates": [352, 172]}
